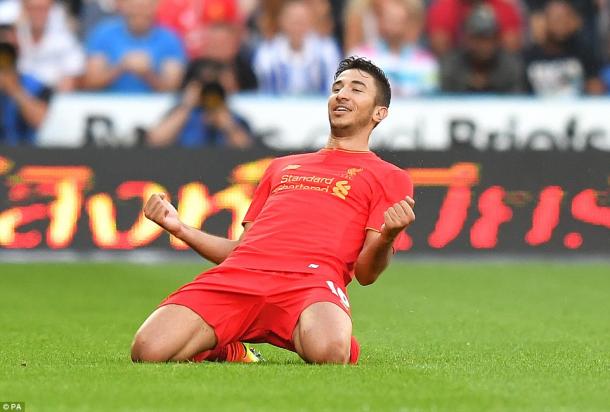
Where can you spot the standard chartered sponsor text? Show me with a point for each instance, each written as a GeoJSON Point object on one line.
{"type": "Point", "coordinates": [309, 179]}
{"type": "Point", "coordinates": [300, 186]}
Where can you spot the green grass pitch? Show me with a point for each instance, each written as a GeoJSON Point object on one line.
{"type": "Point", "coordinates": [435, 337]}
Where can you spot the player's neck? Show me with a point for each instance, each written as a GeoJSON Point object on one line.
{"type": "Point", "coordinates": [354, 144]}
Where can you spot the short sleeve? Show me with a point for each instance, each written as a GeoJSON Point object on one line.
{"type": "Point", "coordinates": [95, 43]}
{"type": "Point", "coordinates": [173, 47]}
{"type": "Point", "coordinates": [260, 196]}
{"type": "Point", "coordinates": [394, 187]}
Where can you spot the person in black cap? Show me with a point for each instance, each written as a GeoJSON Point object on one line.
{"type": "Point", "coordinates": [481, 65]}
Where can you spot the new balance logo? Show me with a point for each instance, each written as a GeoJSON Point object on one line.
{"type": "Point", "coordinates": [291, 167]}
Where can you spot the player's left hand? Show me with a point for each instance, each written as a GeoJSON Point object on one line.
{"type": "Point", "coordinates": [397, 218]}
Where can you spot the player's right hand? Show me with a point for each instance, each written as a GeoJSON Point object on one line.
{"type": "Point", "coordinates": [160, 211]}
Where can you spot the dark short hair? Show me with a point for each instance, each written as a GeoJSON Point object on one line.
{"type": "Point", "coordinates": [384, 93]}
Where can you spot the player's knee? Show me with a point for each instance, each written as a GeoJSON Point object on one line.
{"type": "Point", "coordinates": [144, 349]}
{"type": "Point", "coordinates": [331, 351]}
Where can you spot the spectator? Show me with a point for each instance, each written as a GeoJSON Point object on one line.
{"type": "Point", "coordinates": [131, 53]}
{"type": "Point", "coordinates": [446, 19]}
{"type": "Point", "coordinates": [535, 23]}
{"type": "Point", "coordinates": [232, 54]}
{"type": "Point", "coordinates": [190, 20]}
{"type": "Point", "coordinates": [89, 13]}
{"type": "Point", "coordinates": [23, 99]}
{"type": "Point", "coordinates": [203, 118]}
{"type": "Point", "coordinates": [589, 11]}
{"type": "Point", "coordinates": [361, 22]}
{"type": "Point", "coordinates": [562, 65]}
{"type": "Point", "coordinates": [49, 51]}
{"type": "Point", "coordinates": [296, 60]}
{"type": "Point", "coordinates": [322, 12]}
{"type": "Point", "coordinates": [265, 19]}
{"type": "Point", "coordinates": [411, 69]}
{"type": "Point", "coordinates": [481, 65]}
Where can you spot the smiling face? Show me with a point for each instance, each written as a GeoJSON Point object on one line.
{"type": "Point", "coordinates": [352, 105]}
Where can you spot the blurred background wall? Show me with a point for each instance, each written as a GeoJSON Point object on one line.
{"type": "Point", "coordinates": [499, 112]}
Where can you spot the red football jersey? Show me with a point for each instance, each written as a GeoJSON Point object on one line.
{"type": "Point", "coordinates": [310, 212]}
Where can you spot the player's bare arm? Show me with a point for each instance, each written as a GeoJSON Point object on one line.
{"type": "Point", "coordinates": [213, 248]}
{"type": "Point", "coordinates": [377, 250]}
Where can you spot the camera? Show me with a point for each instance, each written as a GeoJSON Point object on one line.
{"type": "Point", "coordinates": [8, 56]}
{"type": "Point", "coordinates": [207, 73]}
{"type": "Point", "coordinates": [212, 96]}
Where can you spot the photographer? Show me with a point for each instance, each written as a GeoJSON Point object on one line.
{"type": "Point", "coordinates": [23, 99]}
{"type": "Point", "coordinates": [202, 118]}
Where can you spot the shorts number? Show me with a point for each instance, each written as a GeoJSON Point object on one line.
{"type": "Point", "coordinates": [337, 291]}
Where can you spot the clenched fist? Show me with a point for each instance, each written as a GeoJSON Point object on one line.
{"type": "Point", "coordinates": [397, 218]}
{"type": "Point", "coordinates": [163, 213]}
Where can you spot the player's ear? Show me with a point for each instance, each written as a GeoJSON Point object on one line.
{"type": "Point", "coordinates": [380, 113]}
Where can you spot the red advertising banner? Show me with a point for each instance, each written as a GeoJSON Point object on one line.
{"type": "Point", "coordinates": [469, 202]}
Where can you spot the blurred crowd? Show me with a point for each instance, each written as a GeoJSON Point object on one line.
{"type": "Point", "coordinates": [206, 50]}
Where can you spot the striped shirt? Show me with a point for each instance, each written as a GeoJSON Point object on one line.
{"type": "Point", "coordinates": [282, 70]}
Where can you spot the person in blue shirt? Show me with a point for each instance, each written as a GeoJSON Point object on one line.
{"type": "Point", "coordinates": [131, 53]}
{"type": "Point", "coordinates": [23, 99]}
{"type": "Point", "coordinates": [202, 117]}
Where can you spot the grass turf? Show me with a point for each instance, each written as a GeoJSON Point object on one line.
{"type": "Point", "coordinates": [454, 337]}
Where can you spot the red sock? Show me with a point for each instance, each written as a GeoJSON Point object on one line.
{"type": "Point", "coordinates": [354, 351]}
{"type": "Point", "coordinates": [228, 353]}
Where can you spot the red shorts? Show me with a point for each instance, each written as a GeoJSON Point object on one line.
{"type": "Point", "coordinates": [254, 305]}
